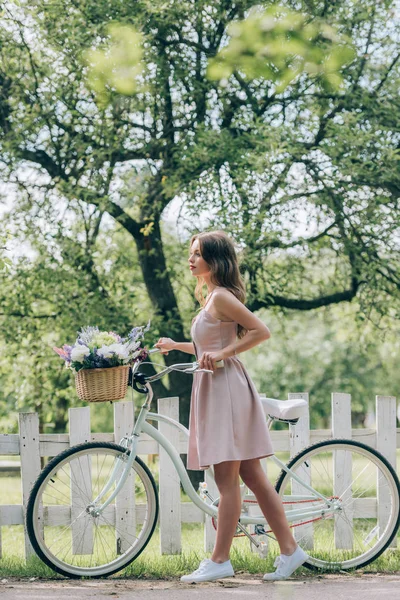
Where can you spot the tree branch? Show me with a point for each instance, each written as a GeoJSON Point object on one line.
{"type": "Point", "coordinates": [44, 160]}
{"type": "Point", "coordinates": [384, 78]}
{"type": "Point", "coordinates": [322, 127]}
{"type": "Point", "coordinates": [250, 96]}
{"type": "Point", "coordinates": [310, 240]}
{"type": "Point", "coordinates": [28, 316]}
{"type": "Point", "coordinates": [118, 213]}
{"type": "Point", "coordinates": [303, 304]}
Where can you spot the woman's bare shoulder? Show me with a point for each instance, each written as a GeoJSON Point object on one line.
{"type": "Point", "coordinates": [232, 308]}
{"type": "Point", "coordinates": [225, 300]}
{"type": "Point", "coordinates": [222, 292]}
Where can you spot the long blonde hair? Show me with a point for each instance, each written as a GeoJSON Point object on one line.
{"type": "Point", "coordinates": [218, 250]}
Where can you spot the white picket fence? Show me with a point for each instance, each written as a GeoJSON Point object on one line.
{"type": "Point", "coordinates": [30, 446]}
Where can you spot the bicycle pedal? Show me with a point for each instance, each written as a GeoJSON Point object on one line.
{"type": "Point", "coordinates": [262, 549]}
{"type": "Point", "coordinates": [203, 491]}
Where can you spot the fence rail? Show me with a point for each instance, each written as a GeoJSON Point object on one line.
{"type": "Point", "coordinates": [30, 445]}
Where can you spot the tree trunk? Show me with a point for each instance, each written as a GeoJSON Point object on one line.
{"type": "Point", "coordinates": [161, 293]}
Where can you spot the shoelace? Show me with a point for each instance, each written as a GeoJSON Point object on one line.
{"type": "Point", "coordinates": [202, 566]}
{"type": "Point", "coordinates": [279, 562]}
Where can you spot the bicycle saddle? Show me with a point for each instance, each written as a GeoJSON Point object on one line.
{"type": "Point", "coordinates": [286, 410]}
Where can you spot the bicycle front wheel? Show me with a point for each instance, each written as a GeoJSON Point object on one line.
{"type": "Point", "coordinates": [64, 530]}
{"type": "Point", "coordinates": [365, 488]}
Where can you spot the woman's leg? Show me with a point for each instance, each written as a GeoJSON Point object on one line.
{"type": "Point", "coordinates": [227, 480]}
{"type": "Point", "coordinates": [270, 503]}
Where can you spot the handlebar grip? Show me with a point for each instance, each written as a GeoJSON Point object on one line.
{"type": "Point", "coordinates": [153, 350]}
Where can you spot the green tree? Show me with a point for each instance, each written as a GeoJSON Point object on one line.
{"type": "Point", "coordinates": [257, 158]}
{"type": "Point", "coordinates": [327, 352]}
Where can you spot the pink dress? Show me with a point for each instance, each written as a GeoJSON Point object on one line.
{"type": "Point", "coordinates": [227, 420]}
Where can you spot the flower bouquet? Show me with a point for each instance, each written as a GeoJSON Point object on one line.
{"type": "Point", "coordinates": [101, 361]}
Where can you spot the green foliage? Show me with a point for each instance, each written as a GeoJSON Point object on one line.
{"type": "Point", "coordinates": [45, 300]}
{"type": "Point", "coordinates": [331, 351]}
{"type": "Point", "coordinates": [116, 68]}
{"type": "Point", "coordinates": [5, 261]}
{"type": "Point", "coordinates": [279, 44]}
{"type": "Point", "coordinates": [306, 180]}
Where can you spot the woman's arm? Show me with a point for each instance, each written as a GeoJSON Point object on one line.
{"type": "Point", "coordinates": [167, 344]}
{"type": "Point", "coordinates": [230, 308]}
{"type": "Point", "coordinates": [184, 347]}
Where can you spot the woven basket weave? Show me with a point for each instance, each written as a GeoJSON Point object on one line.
{"type": "Point", "coordinates": [102, 385]}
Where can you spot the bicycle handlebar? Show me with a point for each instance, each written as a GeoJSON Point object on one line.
{"type": "Point", "coordinates": [192, 367]}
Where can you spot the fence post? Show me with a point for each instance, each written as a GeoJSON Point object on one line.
{"type": "Point", "coordinates": [81, 479]}
{"type": "Point", "coordinates": [342, 469]}
{"type": "Point", "coordinates": [386, 445]}
{"type": "Point", "coordinates": [125, 508]}
{"type": "Point", "coordinates": [30, 462]}
{"type": "Point", "coordinates": [299, 438]}
{"type": "Point", "coordinates": [299, 434]}
{"type": "Point", "coordinates": [170, 491]}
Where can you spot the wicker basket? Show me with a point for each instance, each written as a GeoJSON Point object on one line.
{"type": "Point", "coordinates": [102, 385]}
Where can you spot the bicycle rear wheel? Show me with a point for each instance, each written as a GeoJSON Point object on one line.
{"type": "Point", "coordinates": [367, 489]}
{"type": "Point", "coordinates": [72, 540]}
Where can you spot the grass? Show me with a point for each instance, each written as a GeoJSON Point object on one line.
{"type": "Point", "coordinates": [150, 564]}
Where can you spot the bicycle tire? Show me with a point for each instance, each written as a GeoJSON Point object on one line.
{"type": "Point", "coordinates": [385, 468]}
{"type": "Point", "coordinates": [32, 520]}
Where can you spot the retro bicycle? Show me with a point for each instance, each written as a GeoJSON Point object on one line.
{"type": "Point", "coordinates": [94, 507]}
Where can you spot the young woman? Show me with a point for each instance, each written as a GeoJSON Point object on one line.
{"type": "Point", "coordinates": [227, 423]}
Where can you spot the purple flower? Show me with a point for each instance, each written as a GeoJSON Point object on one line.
{"type": "Point", "coordinates": [132, 335]}
{"type": "Point", "coordinates": [142, 356]}
{"type": "Point", "coordinates": [68, 350]}
{"type": "Point", "coordinates": [137, 333]}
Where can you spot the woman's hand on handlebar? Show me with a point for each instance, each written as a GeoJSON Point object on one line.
{"type": "Point", "coordinates": [165, 345]}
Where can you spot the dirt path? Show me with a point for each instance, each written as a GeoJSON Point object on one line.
{"type": "Point", "coordinates": [329, 587]}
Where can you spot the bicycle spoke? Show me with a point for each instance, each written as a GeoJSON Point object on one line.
{"type": "Point", "coordinates": [74, 539]}
{"type": "Point", "coordinates": [351, 536]}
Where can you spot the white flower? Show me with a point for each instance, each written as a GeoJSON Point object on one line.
{"type": "Point", "coordinates": [79, 352]}
{"type": "Point", "coordinates": [131, 346]}
{"type": "Point", "coordinates": [119, 349]}
{"type": "Point", "coordinates": [105, 352]}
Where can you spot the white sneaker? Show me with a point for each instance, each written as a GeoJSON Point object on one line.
{"type": "Point", "coordinates": [286, 565]}
{"type": "Point", "coordinates": [209, 571]}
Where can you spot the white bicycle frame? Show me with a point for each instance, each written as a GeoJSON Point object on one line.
{"type": "Point", "coordinates": [326, 508]}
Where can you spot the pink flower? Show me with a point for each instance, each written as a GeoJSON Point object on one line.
{"type": "Point", "coordinates": [64, 352]}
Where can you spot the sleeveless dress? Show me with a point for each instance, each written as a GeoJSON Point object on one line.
{"type": "Point", "coordinates": [227, 420]}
